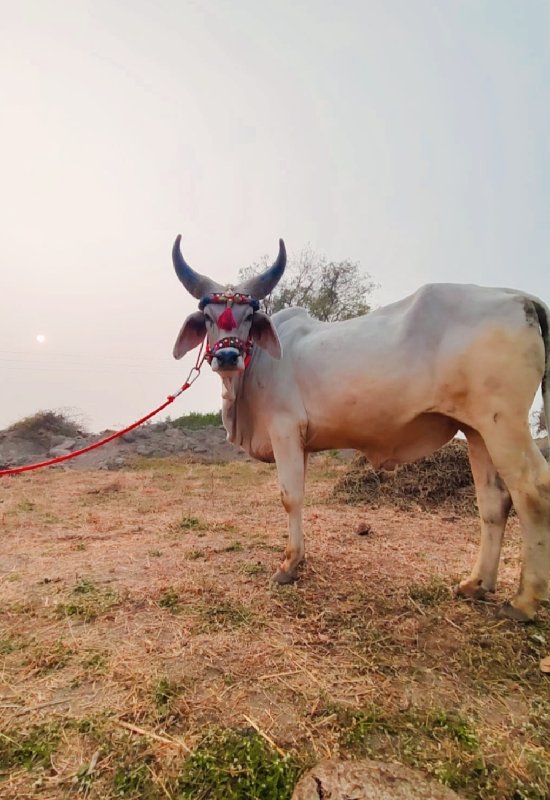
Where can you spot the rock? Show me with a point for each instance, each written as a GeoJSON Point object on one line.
{"type": "Point", "coordinates": [368, 780]}
{"type": "Point", "coordinates": [116, 463]}
{"type": "Point", "coordinates": [57, 452]}
{"type": "Point", "coordinates": [56, 440]}
{"type": "Point", "coordinates": [129, 437]}
{"type": "Point", "coordinates": [67, 444]}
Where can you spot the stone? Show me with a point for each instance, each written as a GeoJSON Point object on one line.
{"type": "Point", "coordinates": [57, 452]}
{"type": "Point", "coordinates": [368, 780]}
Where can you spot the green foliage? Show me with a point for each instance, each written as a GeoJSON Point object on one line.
{"type": "Point", "coordinates": [170, 599]}
{"type": "Point", "coordinates": [236, 765]}
{"type": "Point", "coordinates": [195, 420]}
{"type": "Point", "coordinates": [437, 741]}
{"type": "Point", "coordinates": [87, 601]}
{"type": "Point", "coordinates": [430, 594]}
{"type": "Point", "coordinates": [224, 614]}
{"type": "Point", "coordinates": [329, 290]}
{"type": "Point", "coordinates": [234, 547]}
{"type": "Point", "coordinates": [132, 781]}
{"type": "Point", "coordinates": [190, 524]}
{"type": "Point", "coordinates": [26, 505]}
{"type": "Point", "coordinates": [49, 658]}
{"type": "Point", "coordinates": [163, 695]}
{"type": "Point", "coordinates": [31, 749]}
{"type": "Point", "coordinates": [193, 555]}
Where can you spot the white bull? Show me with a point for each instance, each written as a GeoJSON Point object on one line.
{"type": "Point", "coordinates": [396, 384]}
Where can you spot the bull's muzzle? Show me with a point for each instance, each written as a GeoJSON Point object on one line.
{"type": "Point", "coordinates": [229, 354]}
{"type": "Point", "coordinates": [227, 358]}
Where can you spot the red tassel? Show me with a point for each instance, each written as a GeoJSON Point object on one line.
{"type": "Point", "coordinates": [226, 321]}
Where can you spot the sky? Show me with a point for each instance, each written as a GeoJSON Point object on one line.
{"type": "Point", "coordinates": [412, 136]}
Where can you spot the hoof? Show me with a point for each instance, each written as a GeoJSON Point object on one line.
{"type": "Point", "coordinates": [283, 578]}
{"type": "Point", "coordinates": [508, 611]}
{"type": "Point", "coordinates": [471, 591]}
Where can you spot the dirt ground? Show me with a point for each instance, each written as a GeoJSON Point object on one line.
{"type": "Point", "coordinates": [137, 612]}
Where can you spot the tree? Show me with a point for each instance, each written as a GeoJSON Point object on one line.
{"type": "Point", "coordinates": [329, 290]}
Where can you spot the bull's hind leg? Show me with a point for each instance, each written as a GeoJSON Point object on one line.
{"type": "Point", "coordinates": [527, 476]}
{"type": "Point", "coordinates": [291, 470]}
{"type": "Point", "coordinates": [494, 502]}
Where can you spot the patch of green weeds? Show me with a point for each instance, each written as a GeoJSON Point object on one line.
{"type": "Point", "coordinates": [440, 742]}
{"type": "Point", "coordinates": [84, 587]}
{"type": "Point", "coordinates": [292, 600]}
{"type": "Point", "coordinates": [95, 661]}
{"type": "Point", "coordinates": [25, 505]}
{"type": "Point", "coordinates": [29, 749]}
{"type": "Point", "coordinates": [8, 645]}
{"type": "Point", "coordinates": [190, 524]}
{"type": "Point", "coordinates": [154, 553]}
{"type": "Point", "coordinates": [87, 601]}
{"type": "Point", "coordinates": [224, 614]}
{"type": "Point", "coordinates": [164, 694]}
{"type": "Point", "coordinates": [196, 420]}
{"type": "Point", "coordinates": [234, 547]}
{"type": "Point", "coordinates": [83, 780]}
{"type": "Point", "coordinates": [253, 569]}
{"type": "Point", "coordinates": [78, 547]}
{"type": "Point", "coordinates": [236, 765]}
{"type": "Point", "coordinates": [49, 658]}
{"type": "Point", "coordinates": [224, 527]}
{"type": "Point", "coordinates": [47, 518]}
{"type": "Point", "coordinates": [430, 594]}
{"type": "Point", "coordinates": [133, 781]}
{"type": "Point", "coordinates": [170, 600]}
{"type": "Point", "coordinates": [194, 555]}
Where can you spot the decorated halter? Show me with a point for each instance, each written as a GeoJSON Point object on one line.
{"type": "Point", "coordinates": [226, 321]}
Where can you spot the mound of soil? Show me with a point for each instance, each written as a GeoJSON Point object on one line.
{"type": "Point", "coordinates": [444, 479]}
{"type": "Point", "coordinates": [37, 439]}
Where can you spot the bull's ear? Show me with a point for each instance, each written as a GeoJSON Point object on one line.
{"type": "Point", "coordinates": [264, 334]}
{"type": "Point", "coordinates": [191, 335]}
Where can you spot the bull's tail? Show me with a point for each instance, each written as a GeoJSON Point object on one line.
{"type": "Point", "coordinates": [543, 314]}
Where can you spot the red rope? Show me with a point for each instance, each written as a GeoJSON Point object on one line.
{"type": "Point", "coordinates": [170, 399]}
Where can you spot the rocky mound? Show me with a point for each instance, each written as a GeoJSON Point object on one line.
{"type": "Point", "coordinates": [49, 435]}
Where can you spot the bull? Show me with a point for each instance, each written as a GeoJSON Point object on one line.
{"type": "Point", "coordinates": [396, 384]}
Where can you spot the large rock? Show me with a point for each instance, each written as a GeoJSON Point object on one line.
{"type": "Point", "coordinates": [368, 780]}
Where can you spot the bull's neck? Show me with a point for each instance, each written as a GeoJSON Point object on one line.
{"type": "Point", "coordinates": [230, 395]}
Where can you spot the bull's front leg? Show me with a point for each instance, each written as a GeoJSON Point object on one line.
{"type": "Point", "coordinates": [291, 463]}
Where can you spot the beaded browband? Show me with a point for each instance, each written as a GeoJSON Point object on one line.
{"type": "Point", "coordinates": [230, 297]}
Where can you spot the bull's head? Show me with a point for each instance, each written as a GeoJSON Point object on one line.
{"type": "Point", "coordinates": [229, 316]}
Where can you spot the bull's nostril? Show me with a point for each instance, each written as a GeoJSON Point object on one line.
{"type": "Point", "coordinates": [228, 357]}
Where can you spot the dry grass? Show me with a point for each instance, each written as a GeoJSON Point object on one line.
{"type": "Point", "coordinates": [442, 479]}
{"type": "Point", "coordinates": [122, 649]}
{"type": "Point", "coordinates": [47, 422]}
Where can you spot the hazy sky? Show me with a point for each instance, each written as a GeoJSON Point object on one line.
{"type": "Point", "coordinates": [410, 135]}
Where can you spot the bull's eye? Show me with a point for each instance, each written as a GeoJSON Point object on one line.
{"type": "Point", "coordinates": [248, 318]}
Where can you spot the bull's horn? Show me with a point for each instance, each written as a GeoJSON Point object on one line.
{"type": "Point", "coordinates": [196, 284]}
{"type": "Point", "coordinates": [261, 285]}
